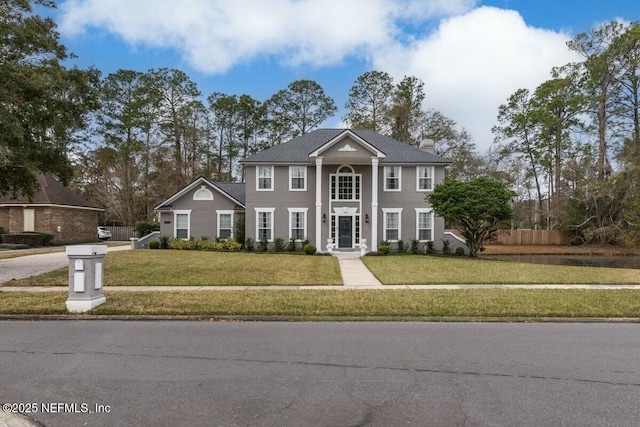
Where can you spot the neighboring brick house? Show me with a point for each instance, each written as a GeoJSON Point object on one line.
{"type": "Point", "coordinates": [341, 184]}
{"type": "Point", "coordinates": [54, 209]}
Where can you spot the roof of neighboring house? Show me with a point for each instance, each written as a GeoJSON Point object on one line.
{"type": "Point", "coordinates": [233, 190]}
{"type": "Point", "coordinates": [298, 149]}
{"type": "Point", "coordinates": [51, 192]}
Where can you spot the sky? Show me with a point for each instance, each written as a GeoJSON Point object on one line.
{"type": "Point", "coordinates": [470, 54]}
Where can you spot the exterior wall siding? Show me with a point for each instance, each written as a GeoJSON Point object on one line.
{"type": "Point", "coordinates": [281, 198]}
{"type": "Point", "coordinates": [203, 217]}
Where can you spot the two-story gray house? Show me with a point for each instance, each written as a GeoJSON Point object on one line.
{"type": "Point", "coordinates": [350, 186]}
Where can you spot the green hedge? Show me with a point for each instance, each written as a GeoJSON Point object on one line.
{"type": "Point", "coordinates": [206, 245]}
{"type": "Point", "coordinates": [32, 239]}
{"type": "Point", "coordinates": [146, 227]}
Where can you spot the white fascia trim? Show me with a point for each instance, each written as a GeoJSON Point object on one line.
{"type": "Point", "coordinates": [271, 211]}
{"type": "Point", "coordinates": [175, 222]}
{"type": "Point", "coordinates": [384, 222]}
{"type": "Point", "coordinates": [218, 213]}
{"type": "Point", "coordinates": [304, 176]}
{"type": "Point", "coordinates": [399, 178]}
{"type": "Point", "coordinates": [190, 187]}
{"type": "Point", "coordinates": [418, 189]}
{"type": "Point", "coordinates": [418, 212]}
{"type": "Point", "coordinates": [273, 178]}
{"type": "Point", "coordinates": [379, 154]}
{"type": "Point", "coordinates": [305, 211]}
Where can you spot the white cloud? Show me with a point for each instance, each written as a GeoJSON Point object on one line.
{"type": "Point", "coordinates": [216, 35]}
{"type": "Point", "coordinates": [470, 62]}
{"type": "Point", "coordinates": [473, 62]}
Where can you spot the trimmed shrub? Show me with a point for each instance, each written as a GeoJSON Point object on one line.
{"type": "Point", "coordinates": [430, 248]}
{"type": "Point", "coordinates": [146, 227]}
{"type": "Point", "coordinates": [383, 249]}
{"type": "Point", "coordinates": [278, 244]}
{"type": "Point", "coordinates": [263, 245]}
{"type": "Point", "coordinates": [401, 248]}
{"type": "Point", "coordinates": [33, 239]}
{"type": "Point", "coordinates": [292, 245]}
{"type": "Point", "coordinates": [309, 249]}
{"type": "Point", "coordinates": [248, 244]}
{"type": "Point", "coordinates": [459, 251]}
{"type": "Point", "coordinates": [206, 245]}
{"type": "Point", "coordinates": [415, 246]}
{"type": "Point", "coordinates": [154, 244]}
{"type": "Point", "coordinates": [446, 248]}
{"type": "Point", "coordinates": [165, 242]}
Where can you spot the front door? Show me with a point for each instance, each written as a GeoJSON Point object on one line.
{"type": "Point", "coordinates": [345, 230]}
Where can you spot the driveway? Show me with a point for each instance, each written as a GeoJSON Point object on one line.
{"type": "Point", "coordinates": [33, 265]}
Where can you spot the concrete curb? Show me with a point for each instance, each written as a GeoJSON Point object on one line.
{"type": "Point", "coordinates": [240, 318]}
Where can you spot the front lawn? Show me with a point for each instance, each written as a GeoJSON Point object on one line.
{"type": "Point", "coordinates": [349, 304]}
{"type": "Point", "coordinates": [424, 270]}
{"type": "Point", "coordinates": [195, 268]}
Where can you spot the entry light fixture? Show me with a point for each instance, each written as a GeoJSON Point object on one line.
{"type": "Point", "coordinates": [324, 217]}
{"type": "Point", "coordinates": [366, 218]}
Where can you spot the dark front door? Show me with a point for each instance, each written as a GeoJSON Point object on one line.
{"type": "Point", "coordinates": [344, 232]}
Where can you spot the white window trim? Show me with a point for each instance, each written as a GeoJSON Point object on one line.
{"type": "Point", "coordinates": [175, 223]}
{"type": "Point", "coordinates": [418, 189]}
{"type": "Point", "coordinates": [304, 188]}
{"type": "Point", "coordinates": [384, 222]}
{"type": "Point", "coordinates": [203, 193]}
{"type": "Point", "coordinates": [262, 210]}
{"type": "Point", "coordinates": [418, 212]}
{"type": "Point", "coordinates": [258, 178]}
{"type": "Point", "coordinates": [306, 216]}
{"type": "Point", "coordinates": [218, 222]}
{"type": "Point", "coordinates": [386, 168]}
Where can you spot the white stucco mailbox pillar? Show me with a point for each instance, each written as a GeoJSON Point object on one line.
{"type": "Point", "coordinates": [86, 271]}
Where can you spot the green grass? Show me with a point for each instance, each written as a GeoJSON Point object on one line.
{"type": "Point", "coordinates": [194, 268]}
{"type": "Point", "coordinates": [422, 270]}
{"type": "Point", "coordinates": [350, 304]}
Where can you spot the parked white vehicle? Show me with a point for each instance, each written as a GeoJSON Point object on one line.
{"type": "Point", "coordinates": [103, 233]}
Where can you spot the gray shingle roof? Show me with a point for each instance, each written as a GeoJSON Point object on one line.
{"type": "Point", "coordinates": [234, 189]}
{"type": "Point", "coordinates": [298, 149]}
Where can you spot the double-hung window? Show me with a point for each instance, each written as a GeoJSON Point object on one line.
{"type": "Point", "coordinates": [297, 178]}
{"type": "Point", "coordinates": [264, 223]}
{"type": "Point", "coordinates": [264, 178]}
{"type": "Point", "coordinates": [225, 224]}
{"type": "Point", "coordinates": [182, 224]}
{"type": "Point", "coordinates": [392, 175]}
{"type": "Point", "coordinates": [392, 224]}
{"type": "Point", "coordinates": [298, 223]}
{"type": "Point", "coordinates": [424, 224]}
{"type": "Point", "coordinates": [424, 178]}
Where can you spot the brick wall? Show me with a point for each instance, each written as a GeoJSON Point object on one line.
{"type": "Point", "coordinates": [75, 224]}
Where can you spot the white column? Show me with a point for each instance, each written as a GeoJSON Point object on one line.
{"type": "Point", "coordinates": [318, 241]}
{"type": "Point", "coordinates": [374, 203]}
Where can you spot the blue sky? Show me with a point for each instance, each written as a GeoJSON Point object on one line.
{"type": "Point", "coordinates": [471, 54]}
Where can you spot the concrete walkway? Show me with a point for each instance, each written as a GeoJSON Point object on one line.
{"type": "Point", "coordinates": [354, 273]}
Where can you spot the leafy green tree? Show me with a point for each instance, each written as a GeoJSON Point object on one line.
{"type": "Point", "coordinates": [370, 101]}
{"type": "Point", "coordinates": [300, 108]}
{"type": "Point", "coordinates": [42, 103]}
{"type": "Point", "coordinates": [475, 208]}
{"type": "Point", "coordinates": [406, 114]}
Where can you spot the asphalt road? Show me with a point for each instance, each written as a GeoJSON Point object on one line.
{"type": "Point", "coordinates": [33, 265]}
{"type": "Point", "coordinates": [322, 374]}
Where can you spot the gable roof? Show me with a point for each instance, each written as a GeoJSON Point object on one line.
{"type": "Point", "coordinates": [299, 149]}
{"type": "Point", "coordinates": [51, 192]}
{"type": "Point", "coordinates": [232, 190]}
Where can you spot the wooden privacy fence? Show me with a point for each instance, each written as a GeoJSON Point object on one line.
{"type": "Point", "coordinates": [122, 233]}
{"type": "Point", "coordinates": [532, 237]}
